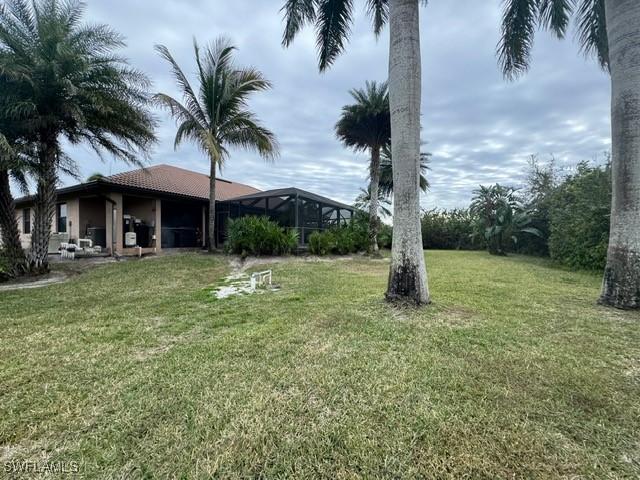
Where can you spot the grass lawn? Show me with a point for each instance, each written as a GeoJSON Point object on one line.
{"type": "Point", "coordinates": [133, 370]}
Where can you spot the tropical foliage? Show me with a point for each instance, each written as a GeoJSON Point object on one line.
{"type": "Point", "coordinates": [344, 239]}
{"type": "Point", "coordinates": [259, 236]}
{"type": "Point", "coordinates": [70, 83]}
{"type": "Point", "coordinates": [216, 115]}
{"type": "Point", "coordinates": [521, 19]}
{"type": "Point", "coordinates": [500, 218]}
{"type": "Point", "coordinates": [579, 211]}
{"type": "Point", "coordinates": [363, 202]}
{"type": "Point", "coordinates": [448, 229]}
{"type": "Point", "coordinates": [386, 171]}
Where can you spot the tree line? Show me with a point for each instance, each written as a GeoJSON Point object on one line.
{"type": "Point", "coordinates": [564, 215]}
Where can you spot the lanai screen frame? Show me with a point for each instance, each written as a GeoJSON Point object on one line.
{"type": "Point", "coordinates": [290, 207]}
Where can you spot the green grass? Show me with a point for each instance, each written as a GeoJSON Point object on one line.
{"type": "Point", "coordinates": [133, 370]}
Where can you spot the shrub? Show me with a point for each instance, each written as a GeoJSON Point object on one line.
{"type": "Point", "coordinates": [342, 240]}
{"type": "Point", "coordinates": [579, 218]}
{"type": "Point", "coordinates": [321, 243]}
{"type": "Point", "coordinates": [259, 236]}
{"type": "Point", "coordinates": [448, 229]}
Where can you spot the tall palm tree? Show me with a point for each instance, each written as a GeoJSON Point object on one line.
{"type": "Point", "coordinates": [609, 29]}
{"type": "Point", "coordinates": [366, 125]}
{"type": "Point", "coordinates": [333, 20]}
{"type": "Point", "coordinates": [217, 116]}
{"type": "Point", "coordinates": [72, 85]}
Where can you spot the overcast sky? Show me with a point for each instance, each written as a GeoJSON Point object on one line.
{"type": "Point", "coordinates": [480, 128]}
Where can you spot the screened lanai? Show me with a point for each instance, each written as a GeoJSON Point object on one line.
{"type": "Point", "coordinates": [290, 207]}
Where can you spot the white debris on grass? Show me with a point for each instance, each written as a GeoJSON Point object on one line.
{"type": "Point", "coordinates": [238, 284]}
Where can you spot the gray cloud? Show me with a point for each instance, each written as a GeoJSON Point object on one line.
{"type": "Point", "coordinates": [480, 128]}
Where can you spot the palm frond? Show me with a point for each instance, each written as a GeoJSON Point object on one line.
{"type": "Point", "coordinates": [296, 13]}
{"type": "Point", "coordinates": [191, 100]}
{"type": "Point", "coordinates": [592, 31]}
{"type": "Point", "coordinates": [518, 29]}
{"type": "Point", "coordinates": [378, 11]}
{"type": "Point", "coordinates": [333, 28]}
{"type": "Point", "coordinates": [554, 15]}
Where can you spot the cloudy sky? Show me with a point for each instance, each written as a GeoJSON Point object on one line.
{"type": "Point", "coordinates": [480, 129]}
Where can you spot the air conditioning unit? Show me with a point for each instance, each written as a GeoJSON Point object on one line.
{"type": "Point", "coordinates": [130, 239]}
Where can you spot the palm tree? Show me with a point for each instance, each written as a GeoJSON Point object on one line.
{"type": "Point", "coordinates": [217, 116]}
{"type": "Point", "coordinates": [72, 85]}
{"type": "Point", "coordinates": [333, 20]}
{"type": "Point", "coordinates": [366, 125]}
{"type": "Point", "coordinates": [609, 29]}
{"type": "Point", "coordinates": [386, 171]}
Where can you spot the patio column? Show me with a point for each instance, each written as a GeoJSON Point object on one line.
{"type": "Point", "coordinates": [73, 219]}
{"type": "Point", "coordinates": [158, 225]}
{"type": "Point", "coordinates": [114, 231]}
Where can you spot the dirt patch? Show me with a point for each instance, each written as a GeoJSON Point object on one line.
{"type": "Point", "coordinates": [35, 282]}
{"type": "Point", "coordinates": [62, 271]}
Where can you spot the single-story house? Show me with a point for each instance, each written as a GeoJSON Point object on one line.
{"type": "Point", "coordinates": [168, 207]}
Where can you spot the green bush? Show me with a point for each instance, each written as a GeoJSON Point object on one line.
{"type": "Point", "coordinates": [259, 236]}
{"type": "Point", "coordinates": [448, 229]}
{"type": "Point", "coordinates": [321, 243]}
{"type": "Point", "coordinates": [579, 218]}
{"type": "Point", "coordinates": [350, 238]}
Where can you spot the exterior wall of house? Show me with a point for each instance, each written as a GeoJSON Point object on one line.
{"type": "Point", "coordinates": [99, 212]}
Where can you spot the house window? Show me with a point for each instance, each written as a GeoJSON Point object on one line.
{"type": "Point", "coordinates": [61, 214]}
{"type": "Point", "coordinates": [26, 221]}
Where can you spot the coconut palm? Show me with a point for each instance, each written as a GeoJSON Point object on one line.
{"type": "Point", "coordinates": [332, 20]}
{"type": "Point", "coordinates": [366, 126]}
{"type": "Point", "coordinates": [72, 85]}
{"type": "Point", "coordinates": [610, 30]}
{"type": "Point", "coordinates": [217, 116]}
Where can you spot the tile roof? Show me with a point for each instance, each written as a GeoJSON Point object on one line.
{"type": "Point", "coordinates": [175, 180]}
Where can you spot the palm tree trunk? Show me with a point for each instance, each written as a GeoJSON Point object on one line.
{"type": "Point", "coordinates": [212, 207]}
{"type": "Point", "coordinates": [374, 185]}
{"type": "Point", "coordinates": [44, 208]}
{"type": "Point", "coordinates": [621, 283]}
{"type": "Point", "coordinates": [407, 275]}
{"type": "Point", "coordinates": [9, 225]}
